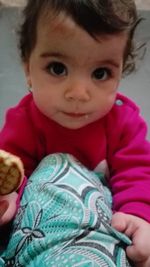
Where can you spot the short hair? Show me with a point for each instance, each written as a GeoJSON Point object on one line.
{"type": "Point", "coordinates": [94, 16]}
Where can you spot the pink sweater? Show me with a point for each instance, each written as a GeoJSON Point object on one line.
{"type": "Point", "coordinates": [118, 139]}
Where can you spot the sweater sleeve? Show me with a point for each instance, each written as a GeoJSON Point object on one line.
{"type": "Point", "coordinates": [129, 161]}
{"type": "Point", "coordinates": [18, 136]}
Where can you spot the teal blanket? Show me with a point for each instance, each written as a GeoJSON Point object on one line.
{"type": "Point", "coordinates": [64, 220]}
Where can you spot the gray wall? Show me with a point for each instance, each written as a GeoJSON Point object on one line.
{"type": "Point", "coordinates": [12, 81]}
{"type": "Point", "coordinates": [137, 85]}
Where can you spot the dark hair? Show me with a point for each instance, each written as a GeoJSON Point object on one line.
{"type": "Point", "coordinates": [94, 16]}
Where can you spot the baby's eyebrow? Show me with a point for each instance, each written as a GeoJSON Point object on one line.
{"type": "Point", "coordinates": [53, 54]}
{"type": "Point", "coordinates": [111, 62]}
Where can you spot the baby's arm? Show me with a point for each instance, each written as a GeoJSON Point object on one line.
{"type": "Point", "coordinates": [129, 164]}
{"type": "Point", "coordinates": [11, 176]}
{"type": "Point", "coordinates": [139, 232]}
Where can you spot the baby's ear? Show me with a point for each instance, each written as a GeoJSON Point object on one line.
{"type": "Point", "coordinates": [27, 74]}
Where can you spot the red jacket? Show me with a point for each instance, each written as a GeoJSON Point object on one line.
{"type": "Point", "coordinates": [118, 140]}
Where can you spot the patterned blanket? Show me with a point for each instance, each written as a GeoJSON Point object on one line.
{"type": "Point", "coordinates": [64, 220]}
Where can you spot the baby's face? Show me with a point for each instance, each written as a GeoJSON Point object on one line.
{"type": "Point", "coordinates": [74, 77]}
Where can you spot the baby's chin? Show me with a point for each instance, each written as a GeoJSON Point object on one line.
{"type": "Point", "coordinates": [75, 124]}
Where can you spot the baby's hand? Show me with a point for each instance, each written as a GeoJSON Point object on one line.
{"type": "Point", "coordinates": [139, 232]}
{"type": "Point", "coordinates": [11, 173]}
{"type": "Point", "coordinates": [7, 207]}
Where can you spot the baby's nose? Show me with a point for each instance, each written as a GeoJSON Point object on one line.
{"type": "Point", "coordinates": [78, 92]}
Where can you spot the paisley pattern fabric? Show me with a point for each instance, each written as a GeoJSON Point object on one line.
{"type": "Point", "coordinates": [64, 220]}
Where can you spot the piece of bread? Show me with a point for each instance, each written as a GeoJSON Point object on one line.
{"type": "Point", "coordinates": [11, 172]}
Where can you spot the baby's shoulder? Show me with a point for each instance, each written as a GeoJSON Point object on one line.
{"type": "Point", "coordinates": [23, 107]}
{"type": "Point", "coordinates": [124, 103]}
{"type": "Point", "coordinates": [25, 102]}
{"type": "Point", "coordinates": [20, 113]}
{"type": "Point", "coordinates": [124, 112]}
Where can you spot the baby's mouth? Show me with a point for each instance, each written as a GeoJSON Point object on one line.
{"type": "Point", "coordinates": [76, 115]}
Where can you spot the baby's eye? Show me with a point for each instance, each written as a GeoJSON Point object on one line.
{"type": "Point", "coordinates": [101, 74]}
{"type": "Point", "coordinates": [56, 69]}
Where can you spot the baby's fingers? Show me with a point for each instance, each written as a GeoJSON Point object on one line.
{"type": "Point", "coordinates": [3, 207]}
{"type": "Point", "coordinates": [139, 251]}
{"type": "Point", "coordinates": [143, 264]}
{"type": "Point", "coordinates": [7, 207]}
{"type": "Point", "coordinates": [121, 222]}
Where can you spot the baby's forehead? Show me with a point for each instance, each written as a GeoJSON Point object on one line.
{"type": "Point", "coordinates": [61, 24]}
{"type": "Point", "coordinates": [61, 37]}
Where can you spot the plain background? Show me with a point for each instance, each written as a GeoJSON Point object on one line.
{"type": "Point", "coordinates": [12, 80]}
